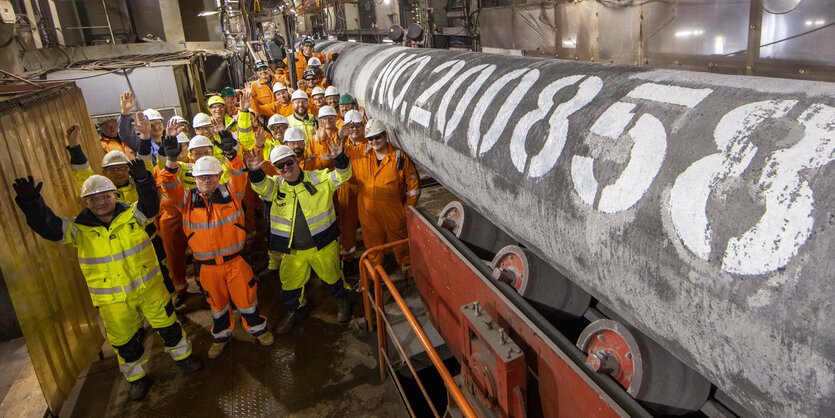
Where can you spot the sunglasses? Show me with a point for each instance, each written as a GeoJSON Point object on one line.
{"type": "Point", "coordinates": [288, 164]}
{"type": "Point", "coordinates": [376, 138]}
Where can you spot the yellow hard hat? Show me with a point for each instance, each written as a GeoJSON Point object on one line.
{"type": "Point", "coordinates": [215, 100]}
{"type": "Point", "coordinates": [96, 184]}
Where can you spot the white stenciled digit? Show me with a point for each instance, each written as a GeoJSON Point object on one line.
{"type": "Point", "coordinates": [692, 188]}
{"type": "Point", "coordinates": [398, 100]}
{"type": "Point", "coordinates": [379, 83]}
{"type": "Point", "coordinates": [543, 162]}
{"type": "Point", "coordinates": [422, 116]}
{"type": "Point", "coordinates": [648, 151]}
{"type": "Point", "coordinates": [787, 221]}
{"type": "Point", "coordinates": [390, 77]}
{"type": "Point", "coordinates": [446, 127]}
{"type": "Point", "coordinates": [489, 97]}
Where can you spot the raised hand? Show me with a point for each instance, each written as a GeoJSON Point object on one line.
{"type": "Point", "coordinates": [246, 100]}
{"type": "Point", "coordinates": [260, 138]}
{"type": "Point", "coordinates": [26, 188]}
{"type": "Point", "coordinates": [344, 131]}
{"type": "Point", "coordinates": [127, 101]}
{"type": "Point", "coordinates": [170, 147]}
{"type": "Point", "coordinates": [73, 136]}
{"type": "Point", "coordinates": [137, 170]}
{"type": "Point", "coordinates": [336, 147]}
{"type": "Point", "coordinates": [142, 125]}
{"type": "Point", "coordinates": [253, 159]}
{"type": "Point", "coordinates": [172, 129]}
{"type": "Point", "coordinates": [227, 142]}
{"type": "Point", "coordinates": [217, 125]}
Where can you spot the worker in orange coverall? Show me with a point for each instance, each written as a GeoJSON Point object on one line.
{"type": "Point", "coordinates": [388, 182]}
{"type": "Point", "coordinates": [213, 220]}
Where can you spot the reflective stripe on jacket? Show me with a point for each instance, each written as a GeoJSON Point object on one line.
{"type": "Point", "coordinates": [317, 207]}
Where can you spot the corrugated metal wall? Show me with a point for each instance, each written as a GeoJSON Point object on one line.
{"type": "Point", "coordinates": [48, 292]}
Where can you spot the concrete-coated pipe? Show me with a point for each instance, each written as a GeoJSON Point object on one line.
{"type": "Point", "coordinates": [698, 206]}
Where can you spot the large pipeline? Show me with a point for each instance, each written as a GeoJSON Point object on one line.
{"type": "Point", "coordinates": [697, 206]}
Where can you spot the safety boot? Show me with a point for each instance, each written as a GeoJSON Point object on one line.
{"type": "Point", "coordinates": [180, 300]}
{"type": "Point", "coordinates": [266, 339]}
{"type": "Point", "coordinates": [139, 388]}
{"type": "Point", "coordinates": [290, 320]}
{"type": "Point", "coordinates": [343, 306]}
{"type": "Point", "coordinates": [267, 274]}
{"type": "Point", "coordinates": [190, 364]}
{"type": "Point", "coordinates": [217, 348]}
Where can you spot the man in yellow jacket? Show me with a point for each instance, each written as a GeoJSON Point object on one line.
{"type": "Point", "coordinates": [119, 265]}
{"type": "Point", "coordinates": [303, 225]}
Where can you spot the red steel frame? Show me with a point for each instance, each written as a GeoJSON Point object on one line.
{"type": "Point", "coordinates": [446, 281]}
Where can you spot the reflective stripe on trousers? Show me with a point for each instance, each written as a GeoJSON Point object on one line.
{"type": "Point", "coordinates": [136, 370]}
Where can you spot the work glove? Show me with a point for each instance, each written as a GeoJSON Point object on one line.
{"type": "Point", "coordinates": [26, 189]}
{"type": "Point", "coordinates": [170, 148]}
{"type": "Point", "coordinates": [137, 170]}
{"type": "Point", "coordinates": [227, 143]}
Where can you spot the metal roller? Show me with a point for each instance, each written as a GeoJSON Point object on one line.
{"type": "Point", "coordinates": [539, 283]}
{"type": "Point", "coordinates": [484, 237]}
{"type": "Point", "coordinates": [649, 373]}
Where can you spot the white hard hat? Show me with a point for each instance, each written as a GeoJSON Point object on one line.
{"type": "Point", "coordinates": [182, 138]}
{"type": "Point", "coordinates": [312, 62]}
{"type": "Point", "coordinates": [199, 141]}
{"type": "Point", "coordinates": [96, 184]}
{"type": "Point", "coordinates": [299, 94]}
{"type": "Point", "coordinates": [178, 119]}
{"type": "Point", "coordinates": [279, 153]}
{"type": "Point", "coordinates": [114, 158]}
{"type": "Point", "coordinates": [327, 111]}
{"type": "Point", "coordinates": [374, 127]}
{"type": "Point", "coordinates": [200, 120]}
{"type": "Point", "coordinates": [353, 116]}
{"type": "Point", "coordinates": [278, 87]}
{"type": "Point", "coordinates": [317, 90]}
{"type": "Point", "coordinates": [331, 91]}
{"type": "Point", "coordinates": [277, 120]}
{"type": "Point", "coordinates": [152, 114]}
{"type": "Point", "coordinates": [206, 166]}
{"type": "Point", "coordinates": [293, 134]}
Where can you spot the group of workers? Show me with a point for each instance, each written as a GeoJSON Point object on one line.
{"type": "Point", "coordinates": [308, 159]}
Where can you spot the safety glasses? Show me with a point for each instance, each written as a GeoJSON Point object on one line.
{"type": "Point", "coordinates": [288, 164]}
{"type": "Point", "coordinates": [376, 137]}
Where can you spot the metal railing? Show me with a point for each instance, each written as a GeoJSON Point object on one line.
{"type": "Point", "coordinates": [380, 277]}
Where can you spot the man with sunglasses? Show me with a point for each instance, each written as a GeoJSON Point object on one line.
{"type": "Point", "coordinates": [388, 182]}
{"type": "Point", "coordinates": [120, 267]}
{"type": "Point", "coordinates": [308, 81]}
{"type": "Point", "coordinates": [303, 225]}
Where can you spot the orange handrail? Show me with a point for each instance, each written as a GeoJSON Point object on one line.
{"type": "Point", "coordinates": [379, 274]}
{"type": "Point", "coordinates": [364, 277]}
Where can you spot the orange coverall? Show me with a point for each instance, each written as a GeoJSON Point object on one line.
{"type": "Point", "coordinates": [384, 191]}
{"type": "Point", "coordinates": [214, 227]}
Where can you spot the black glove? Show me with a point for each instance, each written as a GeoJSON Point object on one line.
{"type": "Point", "coordinates": [227, 143]}
{"type": "Point", "coordinates": [137, 170]}
{"type": "Point", "coordinates": [26, 189]}
{"type": "Point", "coordinates": [170, 148]}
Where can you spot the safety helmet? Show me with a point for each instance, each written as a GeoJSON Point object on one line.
{"type": "Point", "coordinates": [182, 138]}
{"type": "Point", "coordinates": [317, 90]}
{"type": "Point", "coordinates": [152, 114]}
{"type": "Point", "coordinates": [199, 141]}
{"type": "Point", "coordinates": [353, 116]}
{"type": "Point", "coordinates": [278, 87]}
{"type": "Point", "coordinates": [177, 119]}
{"type": "Point", "coordinates": [308, 73]}
{"type": "Point", "coordinates": [200, 120]}
{"type": "Point", "coordinates": [206, 166]}
{"type": "Point", "coordinates": [299, 94]}
{"type": "Point", "coordinates": [215, 100]}
{"type": "Point", "coordinates": [314, 62]}
{"type": "Point", "coordinates": [279, 153]}
{"type": "Point", "coordinates": [327, 111]}
{"type": "Point", "coordinates": [373, 128]}
{"type": "Point", "coordinates": [308, 40]}
{"type": "Point", "coordinates": [277, 120]}
{"type": "Point", "coordinates": [331, 91]}
{"type": "Point", "coordinates": [292, 134]}
{"type": "Point", "coordinates": [346, 99]}
{"type": "Point", "coordinates": [227, 92]}
{"type": "Point", "coordinates": [260, 65]}
{"type": "Point", "coordinates": [114, 158]}
{"type": "Point", "coordinates": [96, 184]}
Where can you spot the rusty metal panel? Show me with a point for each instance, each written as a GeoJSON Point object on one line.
{"type": "Point", "coordinates": [48, 292]}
